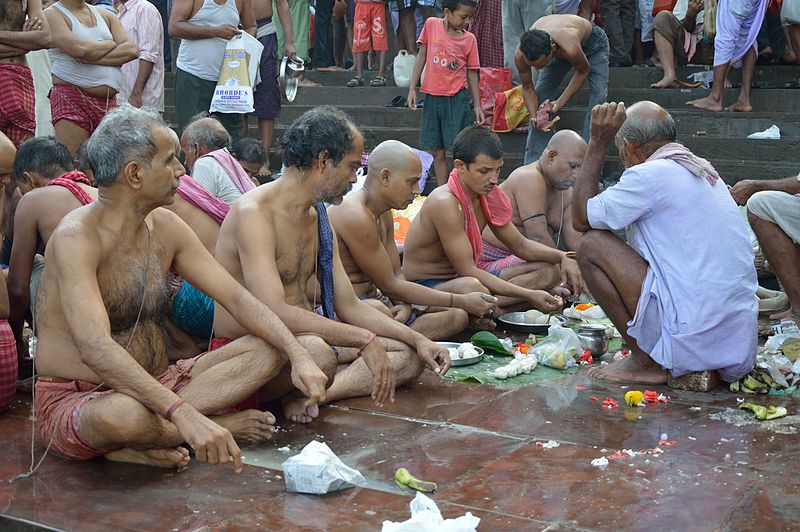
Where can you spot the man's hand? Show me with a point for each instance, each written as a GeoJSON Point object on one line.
{"type": "Point", "coordinates": [412, 99]}
{"type": "Point", "coordinates": [436, 357]}
{"type": "Point", "coordinates": [607, 118]}
{"type": "Point", "coordinates": [546, 302]}
{"type": "Point", "coordinates": [32, 24]}
{"type": "Point", "coordinates": [212, 444]}
{"type": "Point", "coordinates": [309, 379]}
{"type": "Point", "coordinates": [694, 7]}
{"type": "Point", "coordinates": [479, 116]}
{"type": "Point", "coordinates": [742, 191]}
{"type": "Point", "coordinates": [226, 31]}
{"type": "Point", "coordinates": [401, 312]}
{"type": "Point", "coordinates": [135, 99]}
{"type": "Point", "coordinates": [289, 50]}
{"type": "Point", "coordinates": [571, 275]}
{"type": "Point", "coordinates": [477, 303]}
{"type": "Point", "coordinates": [378, 362]}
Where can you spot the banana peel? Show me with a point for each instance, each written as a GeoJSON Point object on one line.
{"type": "Point", "coordinates": [406, 480]}
{"type": "Point", "coordinates": [764, 413]}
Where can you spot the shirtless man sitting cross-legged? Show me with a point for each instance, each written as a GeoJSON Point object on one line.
{"type": "Point", "coordinates": [365, 230]}
{"type": "Point", "coordinates": [444, 241]}
{"type": "Point", "coordinates": [540, 195]}
{"type": "Point", "coordinates": [277, 237]}
{"type": "Point", "coordinates": [105, 386]}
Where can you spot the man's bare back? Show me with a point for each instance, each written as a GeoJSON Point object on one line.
{"type": "Point", "coordinates": [127, 267]}
{"type": "Point", "coordinates": [47, 206]}
{"type": "Point", "coordinates": [567, 31]}
{"type": "Point", "coordinates": [205, 227]}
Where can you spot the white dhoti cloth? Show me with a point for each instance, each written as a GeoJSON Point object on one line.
{"type": "Point", "coordinates": [738, 24]}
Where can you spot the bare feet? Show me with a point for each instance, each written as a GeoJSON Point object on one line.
{"type": "Point", "coordinates": [482, 324]}
{"type": "Point", "coordinates": [332, 68]}
{"type": "Point", "coordinates": [788, 314]}
{"type": "Point", "coordinates": [248, 426]}
{"type": "Point", "coordinates": [177, 457]}
{"type": "Point", "coordinates": [294, 409]}
{"type": "Point", "coordinates": [740, 107]}
{"type": "Point", "coordinates": [631, 369]}
{"type": "Point", "coordinates": [665, 83]}
{"type": "Point", "coordinates": [707, 103]}
{"type": "Point", "coordinates": [303, 82]}
{"type": "Point", "coordinates": [727, 84]}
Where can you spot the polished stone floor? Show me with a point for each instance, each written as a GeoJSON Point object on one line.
{"type": "Point", "coordinates": [478, 442]}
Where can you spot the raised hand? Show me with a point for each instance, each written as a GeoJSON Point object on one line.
{"type": "Point", "coordinates": [607, 118]}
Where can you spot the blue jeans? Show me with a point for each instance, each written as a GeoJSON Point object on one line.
{"type": "Point", "coordinates": [596, 50]}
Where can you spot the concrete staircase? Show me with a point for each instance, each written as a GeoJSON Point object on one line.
{"type": "Point", "coordinates": [718, 137]}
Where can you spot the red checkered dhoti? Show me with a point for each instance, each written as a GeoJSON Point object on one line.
{"type": "Point", "coordinates": [17, 103]}
{"type": "Point", "coordinates": [487, 26]}
{"type": "Point", "coordinates": [70, 103]}
{"type": "Point", "coordinates": [8, 365]}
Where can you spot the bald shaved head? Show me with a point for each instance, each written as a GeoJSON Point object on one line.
{"type": "Point", "coordinates": [394, 156]}
{"type": "Point", "coordinates": [565, 139]}
{"type": "Point", "coordinates": [7, 153]}
{"type": "Point", "coordinates": [394, 173]}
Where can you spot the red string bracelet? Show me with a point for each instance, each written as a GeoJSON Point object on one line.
{"type": "Point", "coordinates": [171, 410]}
{"type": "Point", "coordinates": [361, 351]}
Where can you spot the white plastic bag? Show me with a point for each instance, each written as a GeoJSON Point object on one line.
{"type": "Point", "coordinates": [426, 517]}
{"type": "Point", "coordinates": [238, 76]}
{"type": "Point", "coordinates": [560, 349]}
{"type": "Point", "coordinates": [318, 470]}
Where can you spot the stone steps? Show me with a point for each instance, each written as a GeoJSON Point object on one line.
{"type": "Point", "coordinates": [718, 137]}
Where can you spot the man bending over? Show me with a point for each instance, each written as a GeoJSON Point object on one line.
{"type": "Point", "coordinates": [540, 195]}
{"type": "Point", "coordinates": [365, 230]}
{"type": "Point", "coordinates": [277, 238]}
{"type": "Point", "coordinates": [681, 290]}
{"type": "Point", "coordinates": [444, 241]}
{"type": "Point", "coordinates": [105, 386]}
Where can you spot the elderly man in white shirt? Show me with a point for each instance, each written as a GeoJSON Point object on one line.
{"type": "Point", "coordinates": [143, 80]}
{"type": "Point", "coordinates": [681, 291]}
{"type": "Point", "coordinates": [205, 144]}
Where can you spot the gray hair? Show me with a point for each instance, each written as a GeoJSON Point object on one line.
{"type": "Point", "coordinates": [124, 135]}
{"type": "Point", "coordinates": [208, 137]}
{"type": "Point", "coordinates": [639, 130]}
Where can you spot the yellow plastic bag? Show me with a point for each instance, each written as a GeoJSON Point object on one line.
{"type": "Point", "coordinates": [509, 110]}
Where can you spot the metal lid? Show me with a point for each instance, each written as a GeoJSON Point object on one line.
{"type": "Point", "coordinates": [590, 328]}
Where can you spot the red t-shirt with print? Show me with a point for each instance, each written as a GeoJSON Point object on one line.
{"type": "Point", "coordinates": [447, 59]}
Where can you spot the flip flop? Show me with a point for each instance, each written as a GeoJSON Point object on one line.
{"type": "Point", "coordinates": [378, 81]}
{"type": "Point", "coordinates": [398, 101]}
{"type": "Point", "coordinates": [357, 81]}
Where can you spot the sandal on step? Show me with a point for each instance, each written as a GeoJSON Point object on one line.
{"type": "Point", "coordinates": [378, 81]}
{"type": "Point", "coordinates": [357, 81]}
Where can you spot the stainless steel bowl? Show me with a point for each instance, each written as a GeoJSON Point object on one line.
{"type": "Point", "coordinates": [462, 361]}
{"type": "Point", "coordinates": [594, 339]}
{"type": "Point", "coordinates": [289, 73]}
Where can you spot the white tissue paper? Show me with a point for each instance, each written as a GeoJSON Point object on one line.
{"type": "Point", "coordinates": [426, 517]}
{"type": "Point", "coordinates": [318, 470]}
{"type": "Point", "coordinates": [772, 132]}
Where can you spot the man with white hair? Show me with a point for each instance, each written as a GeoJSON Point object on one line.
{"type": "Point", "coordinates": [681, 289]}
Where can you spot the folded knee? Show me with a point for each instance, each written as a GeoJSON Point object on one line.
{"type": "Point", "coordinates": [322, 354]}
{"type": "Point", "coordinates": [590, 244]}
{"type": "Point", "coordinates": [471, 284]}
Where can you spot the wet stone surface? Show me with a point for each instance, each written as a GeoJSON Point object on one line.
{"type": "Point", "coordinates": [478, 442]}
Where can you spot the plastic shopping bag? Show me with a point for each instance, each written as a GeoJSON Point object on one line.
{"type": "Point", "coordinates": [317, 470]}
{"type": "Point", "coordinates": [238, 76]}
{"type": "Point", "coordinates": [560, 349]}
{"type": "Point", "coordinates": [509, 110]}
{"type": "Point", "coordinates": [493, 80]}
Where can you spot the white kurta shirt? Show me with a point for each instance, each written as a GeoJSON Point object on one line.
{"type": "Point", "coordinates": [697, 310]}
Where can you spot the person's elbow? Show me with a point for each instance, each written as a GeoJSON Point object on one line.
{"type": "Point", "coordinates": [17, 290]}
{"type": "Point", "coordinates": [42, 40]}
{"type": "Point", "coordinates": [129, 52]}
{"type": "Point", "coordinates": [580, 223]}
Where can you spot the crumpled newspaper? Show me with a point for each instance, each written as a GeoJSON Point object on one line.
{"type": "Point", "coordinates": [426, 517]}
{"type": "Point", "coordinates": [317, 470]}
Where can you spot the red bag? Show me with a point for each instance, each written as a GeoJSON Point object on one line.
{"type": "Point", "coordinates": [492, 81]}
{"type": "Point", "coordinates": [663, 5]}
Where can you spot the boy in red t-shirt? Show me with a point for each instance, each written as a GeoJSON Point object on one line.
{"type": "Point", "coordinates": [369, 24]}
{"type": "Point", "coordinates": [451, 54]}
